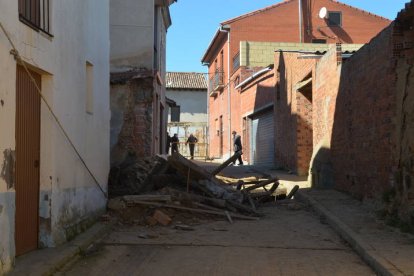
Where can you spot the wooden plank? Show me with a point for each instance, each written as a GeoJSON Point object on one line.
{"type": "Point", "coordinates": [132, 198]}
{"type": "Point", "coordinates": [226, 163]}
{"type": "Point", "coordinates": [261, 184]}
{"type": "Point", "coordinates": [156, 204]}
{"type": "Point", "coordinates": [292, 192]}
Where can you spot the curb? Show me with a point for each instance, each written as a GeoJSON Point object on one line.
{"type": "Point", "coordinates": [48, 261]}
{"type": "Point", "coordinates": [80, 244]}
{"type": "Point", "coordinates": [368, 253]}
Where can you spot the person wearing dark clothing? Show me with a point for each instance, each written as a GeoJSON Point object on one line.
{"type": "Point", "coordinates": [168, 143]}
{"type": "Point", "coordinates": [174, 143]}
{"type": "Point", "coordinates": [237, 146]}
{"type": "Point", "coordinates": [191, 141]}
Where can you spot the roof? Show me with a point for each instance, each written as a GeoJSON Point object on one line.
{"type": "Point", "coordinates": [124, 77]}
{"type": "Point", "coordinates": [186, 80]}
{"type": "Point", "coordinates": [254, 12]}
{"type": "Point", "coordinates": [232, 20]}
{"type": "Point", "coordinates": [288, 1]}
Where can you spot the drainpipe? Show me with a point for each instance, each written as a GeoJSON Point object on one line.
{"type": "Point", "coordinates": [300, 20]}
{"type": "Point", "coordinates": [226, 29]}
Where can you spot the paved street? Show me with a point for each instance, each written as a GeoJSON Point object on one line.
{"type": "Point", "coordinates": [288, 240]}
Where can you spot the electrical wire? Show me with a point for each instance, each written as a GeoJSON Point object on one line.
{"type": "Point", "coordinates": [19, 59]}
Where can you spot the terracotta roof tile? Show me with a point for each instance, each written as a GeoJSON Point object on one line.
{"type": "Point", "coordinates": [184, 80]}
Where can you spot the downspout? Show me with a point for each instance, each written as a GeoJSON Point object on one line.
{"type": "Point", "coordinates": [300, 20]}
{"type": "Point", "coordinates": [227, 30]}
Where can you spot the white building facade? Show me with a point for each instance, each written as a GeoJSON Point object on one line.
{"type": "Point", "coordinates": [52, 181]}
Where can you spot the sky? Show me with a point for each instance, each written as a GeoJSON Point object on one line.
{"type": "Point", "coordinates": [196, 21]}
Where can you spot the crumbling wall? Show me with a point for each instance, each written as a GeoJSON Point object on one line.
{"type": "Point", "coordinates": [132, 119]}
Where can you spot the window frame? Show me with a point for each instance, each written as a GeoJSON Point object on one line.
{"type": "Point", "coordinates": [333, 24]}
{"type": "Point", "coordinates": [39, 19]}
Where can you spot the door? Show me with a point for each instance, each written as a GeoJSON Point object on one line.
{"type": "Point", "coordinates": [262, 140]}
{"type": "Point", "coordinates": [27, 161]}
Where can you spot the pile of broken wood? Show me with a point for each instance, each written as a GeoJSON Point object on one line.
{"type": "Point", "coordinates": [176, 183]}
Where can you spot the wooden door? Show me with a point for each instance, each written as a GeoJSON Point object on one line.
{"type": "Point", "coordinates": [27, 161]}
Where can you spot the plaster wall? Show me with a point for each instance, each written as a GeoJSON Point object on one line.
{"type": "Point", "coordinates": [132, 33]}
{"type": "Point", "coordinates": [193, 104]}
{"type": "Point", "coordinates": [69, 198]}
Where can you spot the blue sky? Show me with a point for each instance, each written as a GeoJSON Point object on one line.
{"type": "Point", "coordinates": [196, 21]}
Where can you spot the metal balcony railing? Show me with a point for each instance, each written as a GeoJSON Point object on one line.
{"type": "Point", "coordinates": [216, 82]}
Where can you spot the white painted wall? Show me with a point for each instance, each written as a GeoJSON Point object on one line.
{"type": "Point", "coordinates": [132, 29]}
{"type": "Point", "coordinates": [132, 33]}
{"type": "Point", "coordinates": [68, 194]}
{"type": "Point", "coordinates": [193, 104]}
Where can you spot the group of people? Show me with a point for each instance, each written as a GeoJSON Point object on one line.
{"type": "Point", "coordinates": [173, 142]}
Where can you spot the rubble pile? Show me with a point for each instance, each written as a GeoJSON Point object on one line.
{"type": "Point", "coordinates": [165, 188]}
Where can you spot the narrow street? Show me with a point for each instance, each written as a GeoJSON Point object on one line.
{"type": "Point", "coordinates": [288, 240]}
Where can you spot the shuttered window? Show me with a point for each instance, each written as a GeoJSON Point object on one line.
{"type": "Point", "coordinates": [36, 14]}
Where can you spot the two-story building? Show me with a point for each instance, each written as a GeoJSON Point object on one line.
{"type": "Point", "coordinates": [189, 92]}
{"type": "Point", "coordinates": [54, 121]}
{"type": "Point", "coordinates": [291, 21]}
{"type": "Point", "coordinates": [138, 67]}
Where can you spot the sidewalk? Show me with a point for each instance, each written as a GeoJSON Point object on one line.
{"type": "Point", "coordinates": [49, 260]}
{"type": "Point", "coordinates": [387, 250]}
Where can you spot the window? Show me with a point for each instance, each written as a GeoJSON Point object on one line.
{"type": "Point", "coordinates": [175, 113]}
{"type": "Point", "coordinates": [36, 14]}
{"type": "Point", "coordinates": [334, 18]}
{"type": "Point", "coordinates": [89, 88]}
{"type": "Point", "coordinates": [319, 41]}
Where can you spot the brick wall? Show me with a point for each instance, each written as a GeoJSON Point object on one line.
{"type": "Point", "coordinates": [293, 113]}
{"type": "Point", "coordinates": [363, 121]}
{"type": "Point", "coordinates": [132, 122]}
{"type": "Point", "coordinates": [277, 24]}
{"type": "Point", "coordinates": [362, 133]}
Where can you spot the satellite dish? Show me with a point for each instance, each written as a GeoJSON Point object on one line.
{"type": "Point", "coordinates": [323, 13]}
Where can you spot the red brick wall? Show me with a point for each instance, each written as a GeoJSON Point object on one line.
{"type": "Point", "coordinates": [363, 128]}
{"type": "Point", "coordinates": [293, 113]}
{"type": "Point", "coordinates": [280, 24]}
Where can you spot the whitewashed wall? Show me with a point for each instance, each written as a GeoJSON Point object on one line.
{"type": "Point", "coordinates": [68, 195]}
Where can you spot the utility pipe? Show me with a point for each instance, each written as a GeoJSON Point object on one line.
{"type": "Point", "coordinates": [226, 29]}
{"type": "Point", "coordinates": [300, 21]}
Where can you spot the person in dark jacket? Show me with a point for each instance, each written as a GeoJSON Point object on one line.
{"type": "Point", "coordinates": [191, 141]}
{"type": "Point", "coordinates": [174, 143]}
{"type": "Point", "coordinates": [237, 144]}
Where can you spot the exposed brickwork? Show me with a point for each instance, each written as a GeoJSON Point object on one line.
{"type": "Point", "coordinates": [293, 113]}
{"type": "Point", "coordinates": [278, 24]}
{"type": "Point", "coordinates": [132, 113]}
{"type": "Point", "coordinates": [362, 134]}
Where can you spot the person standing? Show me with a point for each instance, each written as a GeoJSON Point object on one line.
{"type": "Point", "coordinates": [237, 146]}
{"type": "Point", "coordinates": [191, 141]}
{"type": "Point", "coordinates": [168, 143]}
{"type": "Point", "coordinates": [174, 143]}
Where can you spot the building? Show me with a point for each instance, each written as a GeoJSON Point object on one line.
{"type": "Point", "coordinates": [55, 149]}
{"type": "Point", "coordinates": [189, 92]}
{"type": "Point", "coordinates": [348, 118]}
{"type": "Point", "coordinates": [227, 64]}
{"type": "Point", "coordinates": [138, 63]}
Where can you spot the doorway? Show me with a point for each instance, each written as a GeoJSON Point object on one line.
{"type": "Point", "coordinates": [27, 161]}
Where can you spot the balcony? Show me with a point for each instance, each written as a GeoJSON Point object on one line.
{"type": "Point", "coordinates": [216, 83]}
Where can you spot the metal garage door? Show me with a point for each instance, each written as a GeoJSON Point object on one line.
{"type": "Point", "coordinates": [262, 140]}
